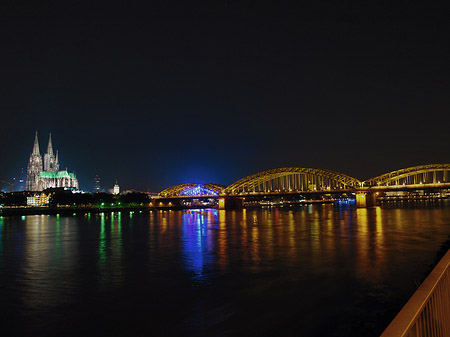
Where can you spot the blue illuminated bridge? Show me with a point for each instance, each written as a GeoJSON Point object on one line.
{"type": "Point", "coordinates": [301, 180]}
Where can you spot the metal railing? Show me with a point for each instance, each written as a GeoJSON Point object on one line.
{"type": "Point", "coordinates": [427, 312]}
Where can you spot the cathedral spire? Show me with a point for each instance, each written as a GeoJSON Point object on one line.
{"type": "Point", "coordinates": [50, 147]}
{"type": "Point", "coordinates": [34, 168]}
{"type": "Point", "coordinates": [36, 146]}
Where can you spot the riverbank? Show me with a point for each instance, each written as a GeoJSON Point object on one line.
{"type": "Point", "coordinates": [17, 211]}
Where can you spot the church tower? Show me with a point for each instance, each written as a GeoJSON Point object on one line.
{"type": "Point", "coordinates": [34, 168]}
{"type": "Point", "coordinates": [50, 161]}
{"type": "Point", "coordinates": [44, 174]}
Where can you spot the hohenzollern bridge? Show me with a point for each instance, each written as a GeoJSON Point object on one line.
{"type": "Point", "coordinates": [300, 180]}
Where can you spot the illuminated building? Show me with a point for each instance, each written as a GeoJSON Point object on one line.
{"type": "Point", "coordinates": [38, 200]}
{"type": "Point", "coordinates": [116, 189]}
{"type": "Point", "coordinates": [45, 174]}
{"type": "Point", "coordinates": [97, 187]}
{"type": "Point", "coordinates": [19, 182]}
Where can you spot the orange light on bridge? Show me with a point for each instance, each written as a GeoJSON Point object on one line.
{"type": "Point", "coordinates": [222, 203]}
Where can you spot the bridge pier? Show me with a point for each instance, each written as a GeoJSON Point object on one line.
{"type": "Point", "coordinates": [231, 203]}
{"type": "Point", "coordinates": [366, 199]}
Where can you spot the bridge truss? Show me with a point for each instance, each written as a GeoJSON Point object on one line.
{"type": "Point", "coordinates": [301, 179]}
{"type": "Point", "coordinates": [192, 189]}
{"type": "Point", "coordinates": [416, 175]}
{"type": "Point", "coordinates": [292, 179]}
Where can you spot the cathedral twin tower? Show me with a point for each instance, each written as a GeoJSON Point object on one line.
{"type": "Point", "coordinates": [41, 176]}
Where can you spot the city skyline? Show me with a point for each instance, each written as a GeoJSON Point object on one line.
{"type": "Point", "coordinates": [43, 171]}
{"type": "Point", "coordinates": [165, 94]}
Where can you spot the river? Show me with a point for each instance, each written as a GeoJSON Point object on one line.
{"type": "Point", "coordinates": [321, 270]}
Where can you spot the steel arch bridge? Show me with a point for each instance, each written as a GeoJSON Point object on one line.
{"type": "Point", "coordinates": [193, 189]}
{"type": "Point", "coordinates": [292, 179]}
{"type": "Point", "coordinates": [301, 179]}
{"type": "Point", "coordinates": [415, 175]}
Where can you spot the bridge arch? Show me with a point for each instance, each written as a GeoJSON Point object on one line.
{"type": "Point", "coordinates": [293, 179]}
{"type": "Point", "coordinates": [422, 174]}
{"type": "Point", "coordinates": [192, 189]}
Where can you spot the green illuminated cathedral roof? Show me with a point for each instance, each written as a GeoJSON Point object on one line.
{"type": "Point", "coordinates": [54, 175]}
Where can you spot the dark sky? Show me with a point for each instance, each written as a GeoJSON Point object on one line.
{"type": "Point", "coordinates": [171, 92]}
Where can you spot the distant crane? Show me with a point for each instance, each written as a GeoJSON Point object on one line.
{"type": "Point", "coordinates": [9, 183]}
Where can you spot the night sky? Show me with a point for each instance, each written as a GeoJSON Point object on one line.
{"type": "Point", "coordinates": [172, 92]}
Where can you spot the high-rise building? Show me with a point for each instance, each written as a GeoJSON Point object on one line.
{"type": "Point", "coordinates": [19, 181]}
{"type": "Point", "coordinates": [116, 188]}
{"type": "Point", "coordinates": [46, 174]}
{"type": "Point", "coordinates": [97, 187]}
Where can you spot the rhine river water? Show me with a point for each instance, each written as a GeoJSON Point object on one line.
{"type": "Point", "coordinates": [300, 271]}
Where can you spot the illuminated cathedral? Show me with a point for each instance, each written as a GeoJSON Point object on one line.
{"type": "Point", "coordinates": [43, 175]}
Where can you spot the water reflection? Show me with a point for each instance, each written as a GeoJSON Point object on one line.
{"type": "Point", "coordinates": [338, 265]}
{"type": "Point", "coordinates": [1, 236]}
{"type": "Point", "coordinates": [257, 237]}
{"type": "Point", "coordinates": [198, 244]}
{"type": "Point", "coordinates": [222, 242]}
{"type": "Point", "coordinates": [102, 242]}
{"type": "Point", "coordinates": [48, 259]}
{"type": "Point", "coordinates": [110, 254]}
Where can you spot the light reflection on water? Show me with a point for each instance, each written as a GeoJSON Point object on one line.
{"type": "Point", "coordinates": [197, 241]}
{"type": "Point", "coordinates": [1, 236]}
{"type": "Point", "coordinates": [110, 255]}
{"type": "Point", "coordinates": [215, 272]}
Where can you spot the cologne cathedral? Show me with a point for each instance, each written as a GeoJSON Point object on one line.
{"type": "Point", "coordinates": [41, 176]}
